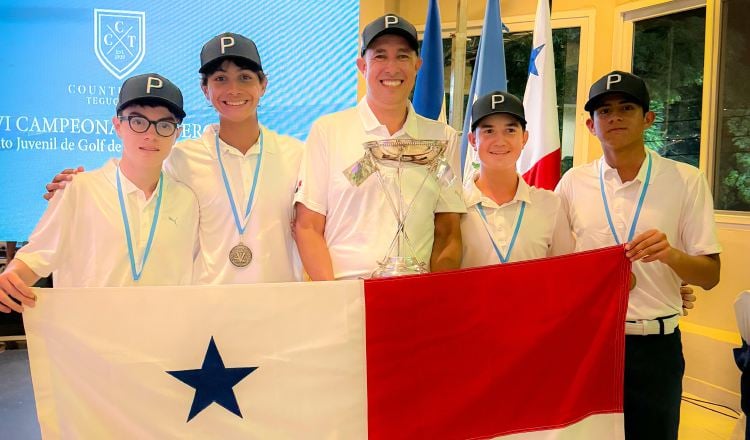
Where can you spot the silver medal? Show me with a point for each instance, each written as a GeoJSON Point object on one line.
{"type": "Point", "coordinates": [240, 255]}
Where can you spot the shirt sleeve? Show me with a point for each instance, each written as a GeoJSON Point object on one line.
{"type": "Point", "coordinates": [50, 235]}
{"type": "Point", "coordinates": [562, 236]}
{"type": "Point", "coordinates": [172, 163]}
{"type": "Point", "coordinates": [312, 183]}
{"type": "Point", "coordinates": [451, 195]}
{"type": "Point", "coordinates": [698, 227]}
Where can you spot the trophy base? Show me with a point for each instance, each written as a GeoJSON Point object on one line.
{"type": "Point", "coordinates": [398, 266]}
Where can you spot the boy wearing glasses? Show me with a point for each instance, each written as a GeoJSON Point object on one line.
{"type": "Point", "coordinates": [124, 224]}
{"type": "Point", "coordinates": [243, 174]}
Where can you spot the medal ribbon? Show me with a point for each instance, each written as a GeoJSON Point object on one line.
{"type": "Point", "coordinates": [503, 258]}
{"type": "Point", "coordinates": [137, 273]}
{"type": "Point", "coordinates": [240, 226]}
{"type": "Point", "coordinates": [641, 198]}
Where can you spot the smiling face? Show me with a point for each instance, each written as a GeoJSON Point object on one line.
{"type": "Point", "coordinates": [147, 149]}
{"type": "Point", "coordinates": [619, 123]}
{"type": "Point", "coordinates": [499, 139]}
{"type": "Point", "coordinates": [389, 66]}
{"type": "Point", "coordinates": [234, 91]}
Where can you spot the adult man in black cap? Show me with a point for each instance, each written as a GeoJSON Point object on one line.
{"type": "Point", "coordinates": [662, 212]}
{"type": "Point", "coordinates": [137, 223]}
{"type": "Point", "coordinates": [506, 219]}
{"type": "Point", "coordinates": [340, 229]}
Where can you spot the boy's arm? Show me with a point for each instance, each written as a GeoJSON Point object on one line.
{"type": "Point", "coordinates": [652, 245]}
{"type": "Point", "coordinates": [309, 227]}
{"type": "Point", "coordinates": [14, 287]}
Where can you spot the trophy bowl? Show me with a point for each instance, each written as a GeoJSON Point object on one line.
{"type": "Point", "coordinates": [391, 152]}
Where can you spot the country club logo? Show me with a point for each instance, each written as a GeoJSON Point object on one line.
{"type": "Point", "coordinates": [119, 40]}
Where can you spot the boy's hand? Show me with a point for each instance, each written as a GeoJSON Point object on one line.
{"type": "Point", "coordinates": [60, 180]}
{"type": "Point", "coordinates": [12, 291]}
{"type": "Point", "coordinates": [649, 246]}
{"type": "Point", "coordinates": [688, 298]}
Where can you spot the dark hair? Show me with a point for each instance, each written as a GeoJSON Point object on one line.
{"type": "Point", "coordinates": [520, 122]}
{"type": "Point", "coordinates": [151, 102]}
{"type": "Point", "coordinates": [629, 99]}
{"type": "Point", "coordinates": [242, 63]}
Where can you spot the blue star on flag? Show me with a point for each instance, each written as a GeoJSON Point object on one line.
{"type": "Point", "coordinates": [213, 382]}
{"type": "Point", "coordinates": [532, 62]}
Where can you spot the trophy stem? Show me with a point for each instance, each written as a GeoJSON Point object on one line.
{"type": "Point", "coordinates": [400, 155]}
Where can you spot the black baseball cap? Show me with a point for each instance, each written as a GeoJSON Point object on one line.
{"type": "Point", "coordinates": [497, 102]}
{"type": "Point", "coordinates": [151, 88]}
{"type": "Point", "coordinates": [229, 45]}
{"type": "Point", "coordinates": [389, 24]}
{"type": "Point", "coordinates": [618, 82]}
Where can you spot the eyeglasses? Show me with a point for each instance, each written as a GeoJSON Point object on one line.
{"type": "Point", "coordinates": [140, 124]}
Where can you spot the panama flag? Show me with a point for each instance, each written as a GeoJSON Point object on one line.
{"type": "Point", "coordinates": [539, 163]}
{"type": "Point", "coordinates": [495, 352]}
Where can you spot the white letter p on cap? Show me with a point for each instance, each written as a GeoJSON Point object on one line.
{"type": "Point", "coordinates": [390, 20]}
{"type": "Point", "coordinates": [497, 99]}
{"type": "Point", "coordinates": [226, 42]}
{"type": "Point", "coordinates": [153, 83]}
{"type": "Point", "coordinates": [613, 79]}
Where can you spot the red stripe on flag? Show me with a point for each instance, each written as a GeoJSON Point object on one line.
{"type": "Point", "coordinates": [496, 350]}
{"type": "Point", "coordinates": [546, 172]}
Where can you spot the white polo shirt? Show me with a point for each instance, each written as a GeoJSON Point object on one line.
{"type": "Point", "coordinates": [360, 224]}
{"type": "Point", "coordinates": [268, 233]}
{"type": "Point", "coordinates": [80, 239]}
{"type": "Point", "coordinates": [544, 229]}
{"type": "Point", "coordinates": [678, 202]}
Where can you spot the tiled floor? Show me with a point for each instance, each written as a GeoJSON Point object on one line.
{"type": "Point", "coordinates": [698, 423]}
{"type": "Point", "coordinates": [17, 405]}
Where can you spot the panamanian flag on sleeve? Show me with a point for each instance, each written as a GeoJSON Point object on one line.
{"type": "Point", "coordinates": [529, 350]}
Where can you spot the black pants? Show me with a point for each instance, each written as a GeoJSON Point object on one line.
{"type": "Point", "coordinates": [654, 367]}
{"type": "Point", "coordinates": [745, 400]}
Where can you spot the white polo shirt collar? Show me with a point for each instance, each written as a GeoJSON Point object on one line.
{"type": "Point", "coordinates": [209, 137]}
{"type": "Point", "coordinates": [611, 174]}
{"type": "Point", "coordinates": [373, 126]}
{"type": "Point", "coordinates": [473, 196]}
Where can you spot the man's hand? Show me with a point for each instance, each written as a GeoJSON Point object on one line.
{"type": "Point", "coordinates": [13, 290]}
{"type": "Point", "coordinates": [60, 180]}
{"type": "Point", "coordinates": [688, 298]}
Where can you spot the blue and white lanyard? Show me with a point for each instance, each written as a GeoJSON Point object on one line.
{"type": "Point", "coordinates": [240, 226]}
{"type": "Point", "coordinates": [503, 258]}
{"type": "Point", "coordinates": [135, 272]}
{"type": "Point", "coordinates": [641, 198]}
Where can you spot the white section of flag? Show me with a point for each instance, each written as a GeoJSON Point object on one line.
{"type": "Point", "coordinates": [99, 367]}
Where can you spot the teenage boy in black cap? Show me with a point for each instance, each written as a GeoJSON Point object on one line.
{"type": "Point", "coordinates": [341, 230]}
{"type": "Point", "coordinates": [506, 219]}
{"type": "Point", "coordinates": [662, 211]}
{"type": "Point", "coordinates": [243, 174]}
{"type": "Point", "coordinates": [124, 224]}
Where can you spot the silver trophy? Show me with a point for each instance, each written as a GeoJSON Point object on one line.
{"type": "Point", "coordinates": [401, 258]}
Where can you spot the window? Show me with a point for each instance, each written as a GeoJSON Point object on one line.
{"type": "Point", "coordinates": [732, 156]}
{"type": "Point", "coordinates": [668, 54]}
